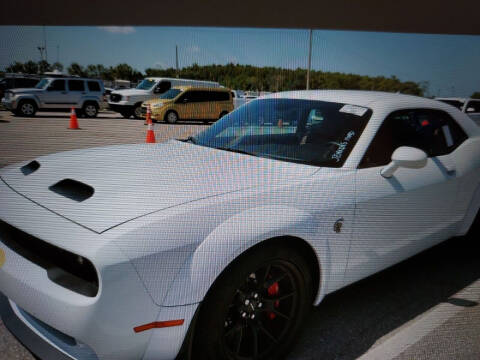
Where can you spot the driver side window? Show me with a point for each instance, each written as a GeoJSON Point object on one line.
{"type": "Point", "coordinates": [432, 131]}
{"type": "Point", "coordinates": [163, 87]}
{"type": "Point", "coordinates": [57, 85]}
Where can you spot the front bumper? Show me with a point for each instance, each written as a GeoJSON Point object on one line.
{"type": "Point", "coordinates": [103, 324]}
{"type": "Point", "coordinates": [9, 104]}
{"type": "Point", "coordinates": [44, 341]}
{"type": "Point", "coordinates": [156, 113]}
{"type": "Point", "coordinates": [120, 108]}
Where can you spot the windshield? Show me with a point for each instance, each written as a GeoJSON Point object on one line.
{"type": "Point", "coordinates": [146, 84]}
{"type": "Point", "coordinates": [303, 131]}
{"type": "Point", "coordinates": [42, 84]}
{"type": "Point", "coordinates": [170, 94]}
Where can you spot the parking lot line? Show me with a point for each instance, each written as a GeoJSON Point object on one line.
{"type": "Point", "coordinates": [419, 327]}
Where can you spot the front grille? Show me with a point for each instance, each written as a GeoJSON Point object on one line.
{"type": "Point", "coordinates": [64, 268]}
{"type": "Point", "coordinates": [115, 97]}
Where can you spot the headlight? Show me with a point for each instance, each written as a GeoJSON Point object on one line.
{"type": "Point", "coordinates": [157, 105]}
{"type": "Point", "coordinates": [126, 98]}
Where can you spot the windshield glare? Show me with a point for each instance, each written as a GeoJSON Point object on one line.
{"type": "Point", "coordinates": [146, 84]}
{"type": "Point", "coordinates": [170, 94]}
{"type": "Point", "coordinates": [42, 84]}
{"type": "Point", "coordinates": [303, 131]}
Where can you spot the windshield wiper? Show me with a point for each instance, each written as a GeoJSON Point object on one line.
{"type": "Point", "coordinates": [236, 151]}
{"type": "Point", "coordinates": [189, 139]}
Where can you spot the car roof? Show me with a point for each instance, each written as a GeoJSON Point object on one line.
{"type": "Point", "coordinates": [452, 98]}
{"type": "Point", "coordinates": [70, 78]}
{"type": "Point", "coordinates": [190, 87]}
{"type": "Point", "coordinates": [359, 97]}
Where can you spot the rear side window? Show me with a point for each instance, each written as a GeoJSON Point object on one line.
{"type": "Point", "coordinates": [163, 87]}
{"type": "Point", "coordinates": [76, 85]}
{"type": "Point", "coordinates": [432, 131]}
{"type": "Point", "coordinates": [221, 96]}
{"type": "Point", "coordinates": [473, 106]}
{"type": "Point", "coordinates": [93, 86]}
{"type": "Point", "coordinates": [57, 85]}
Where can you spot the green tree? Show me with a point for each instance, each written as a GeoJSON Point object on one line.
{"type": "Point", "coordinates": [44, 66]}
{"type": "Point", "coordinates": [57, 66]}
{"type": "Point", "coordinates": [30, 67]}
{"type": "Point", "coordinates": [476, 95]}
{"type": "Point", "coordinates": [76, 69]}
{"type": "Point", "coordinates": [16, 67]}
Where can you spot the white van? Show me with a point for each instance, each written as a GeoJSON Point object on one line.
{"type": "Point", "coordinates": [128, 102]}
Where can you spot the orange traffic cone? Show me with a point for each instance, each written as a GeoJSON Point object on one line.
{"type": "Point", "coordinates": [148, 119]}
{"type": "Point", "coordinates": [73, 120]}
{"type": "Point", "coordinates": [150, 134]}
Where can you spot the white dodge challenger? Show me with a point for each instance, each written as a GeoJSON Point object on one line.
{"type": "Point", "coordinates": [217, 245]}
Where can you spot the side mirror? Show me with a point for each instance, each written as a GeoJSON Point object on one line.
{"type": "Point", "coordinates": [407, 157]}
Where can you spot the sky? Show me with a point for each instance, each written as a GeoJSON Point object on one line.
{"type": "Point", "coordinates": [449, 63]}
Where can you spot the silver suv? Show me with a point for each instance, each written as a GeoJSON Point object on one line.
{"type": "Point", "coordinates": [53, 94]}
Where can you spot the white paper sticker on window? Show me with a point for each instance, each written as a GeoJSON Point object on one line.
{"type": "Point", "coordinates": [353, 109]}
{"type": "Point", "coordinates": [448, 135]}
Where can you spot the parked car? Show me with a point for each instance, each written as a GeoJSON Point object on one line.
{"type": "Point", "coordinates": [57, 94]}
{"type": "Point", "coordinates": [469, 106]}
{"type": "Point", "coordinates": [221, 243]}
{"type": "Point", "coordinates": [190, 103]}
{"type": "Point", "coordinates": [15, 81]}
{"type": "Point", "coordinates": [129, 102]}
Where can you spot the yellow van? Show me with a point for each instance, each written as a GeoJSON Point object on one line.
{"type": "Point", "coordinates": [190, 103]}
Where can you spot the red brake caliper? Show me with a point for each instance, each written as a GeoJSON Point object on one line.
{"type": "Point", "coordinates": [272, 291]}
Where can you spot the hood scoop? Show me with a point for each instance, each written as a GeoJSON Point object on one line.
{"type": "Point", "coordinates": [31, 167]}
{"type": "Point", "coordinates": [73, 189]}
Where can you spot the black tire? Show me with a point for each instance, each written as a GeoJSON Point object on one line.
{"type": "Point", "coordinates": [137, 111]}
{"type": "Point", "coordinates": [90, 110]}
{"type": "Point", "coordinates": [270, 282]}
{"type": "Point", "coordinates": [171, 117]}
{"type": "Point", "coordinates": [26, 108]}
{"type": "Point", "coordinates": [126, 114]}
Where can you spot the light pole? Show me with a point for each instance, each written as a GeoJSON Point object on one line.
{"type": "Point", "coordinates": [176, 58]}
{"type": "Point", "coordinates": [41, 49]}
{"type": "Point", "coordinates": [45, 43]}
{"type": "Point", "coordinates": [309, 60]}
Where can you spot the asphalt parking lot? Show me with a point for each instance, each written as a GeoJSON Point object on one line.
{"type": "Point", "coordinates": [424, 308]}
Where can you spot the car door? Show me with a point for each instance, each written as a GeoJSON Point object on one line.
{"type": "Point", "coordinates": [77, 91]}
{"type": "Point", "coordinates": [55, 95]}
{"type": "Point", "coordinates": [188, 104]}
{"type": "Point", "coordinates": [399, 216]}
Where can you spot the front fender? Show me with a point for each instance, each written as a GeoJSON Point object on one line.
{"type": "Point", "coordinates": [28, 97]}
{"type": "Point", "coordinates": [232, 238]}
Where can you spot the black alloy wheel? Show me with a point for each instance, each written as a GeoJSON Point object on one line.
{"type": "Point", "coordinates": [256, 315]}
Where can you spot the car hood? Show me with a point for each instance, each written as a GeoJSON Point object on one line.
{"type": "Point", "coordinates": [26, 90]}
{"type": "Point", "coordinates": [132, 92]}
{"type": "Point", "coordinates": [129, 181]}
